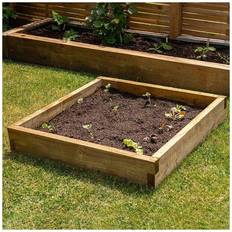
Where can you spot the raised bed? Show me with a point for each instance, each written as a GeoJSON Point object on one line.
{"type": "Point", "coordinates": [134, 65]}
{"type": "Point", "coordinates": [151, 169]}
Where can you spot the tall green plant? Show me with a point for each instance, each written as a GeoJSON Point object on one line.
{"type": "Point", "coordinates": [109, 21]}
{"type": "Point", "coordinates": [8, 15]}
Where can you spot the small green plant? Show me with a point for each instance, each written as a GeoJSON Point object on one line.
{"type": "Point", "coordinates": [48, 126]}
{"type": "Point", "coordinates": [176, 113]}
{"type": "Point", "coordinates": [109, 21]}
{"type": "Point", "coordinates": [8, 15]}
{"type": "Point", "coordinates": [148, 96]}
{"type": "Point", "coordinates": [107, 87]}
{"type": "Point", "coordinates": [70, 35]}
{"type": "Point", "coordinates": [115, 108]}
{"type": "Point", "coordinates": [203, 51]}
{"type": "Point", "coordinates": [131, 144]}
{"type": "Point", "coordinates": [80, 100]}
{"type": "Point", "coordinates": [224, 58]}
{"type": "Point", "coordinates": [59, 20]}
{"type": "Point", "coordinates": [161, 47]}
{"type": "Point", "coordinates": [88, 128]}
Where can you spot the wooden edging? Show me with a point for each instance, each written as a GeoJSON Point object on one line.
{"type": "Point", "coordinates": [139, 66]}
{"type": "Point", "coordinates": [149, 170]}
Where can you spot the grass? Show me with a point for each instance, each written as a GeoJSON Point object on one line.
{"type": "Point", "coordinates": [43, 194]}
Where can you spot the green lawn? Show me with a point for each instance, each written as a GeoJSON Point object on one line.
{"type": "Point", "coordinates": [43, 194]}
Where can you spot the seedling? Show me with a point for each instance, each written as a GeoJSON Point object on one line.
{"type": "Point", "coordinates": [88, 128]}
{"type": "Point", "coordinates": [70, 35]}
{"type": "Point", "coordinates": [160, 48]}
{"type": "Point", "coordinates": [80, 101]}
{"type": "Point", "coordinates": [203, 51]}
{"type": "Point", "coordinates": [148, 96]}
{"type": "Point", "coordinates": [107, 87]}
{"type": "Point", "coordinates": [115, 108]}
{"type": "Point", "coordinates": [48, 126]}
{"type": "Point", "coordinates": [176, 113]}
{"type": "Point", "coordinates": [131, 144]}
{"type": "Point", "coordinates": [59, 20]}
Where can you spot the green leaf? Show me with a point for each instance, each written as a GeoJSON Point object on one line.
{"type": "Point", "coordinates": [166, 46]}
{"type": "Point", "coordinates": [212, 49]}
{"type": "Point", "coordinates": [98, 24]}
{"type": "Point", "coordinates": [110, 40]}
{"type": "Point", "coordinates": [199, 49]}
{"type": "Point", "coordinates": [70, 35]}
{"type": "Point", "coordinates": [115, 21]}
{"type": "Point", "coordinates": [131, 144]}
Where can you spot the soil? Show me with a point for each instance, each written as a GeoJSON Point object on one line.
{"type": "Point", "coordinates": [137, 119]}
{"type": "Point", "coordinates": [139, 43]}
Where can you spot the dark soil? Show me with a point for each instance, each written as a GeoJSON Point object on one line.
{"type": "Point", "coordinates": [139, 43]}
{"type": "Point", "coordinates": [135, 119]}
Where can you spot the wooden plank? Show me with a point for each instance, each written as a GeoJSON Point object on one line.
{"type": "Point", "coordinates": [210, 6]}
{"type": "Point", "coordinates": [221, 28]}
{"type": "Point", "coordinates": [84, 154]}
{"type": "Point", "coordinates": [218, 18]}
{"type": "Point", "coordinates": [154, 21]}
{"type": "Point", "coordinates": [175, 19]}
{"type": "Point", "coordinates": [176, 149]}
{"type": "Point", "coordinates": [204, 34]}
{"type": "Point", "coordinates": [150, 68]}
{"type": "Point", "coordinates": [148, 27]}
{"type": "Point", "coordinates": [194, 98]}
{"type": "Point", "coordinates": [186, 8]}
{"type": "Point", "coordinates": [146, 15]}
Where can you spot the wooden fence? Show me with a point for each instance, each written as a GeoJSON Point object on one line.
{"type": "Point", "coordinates": [207, 20]}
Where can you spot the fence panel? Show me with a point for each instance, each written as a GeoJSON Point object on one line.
{"type": "Point", "coordinates": [208, 20]}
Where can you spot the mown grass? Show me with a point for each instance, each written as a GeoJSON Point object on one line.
{"type": "Point", "coordinates": [43, 194]}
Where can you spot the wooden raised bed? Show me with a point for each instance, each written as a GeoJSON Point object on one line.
{"type": "Point", "coordinates": [149, 170]}
{"type": "Point", "coordinates": [116, 62]}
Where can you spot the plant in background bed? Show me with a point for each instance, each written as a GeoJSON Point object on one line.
{"type": "Point", "coordinates": [70, 35]}
{"type": "Point", "coordinates": [8, 15]}
{"type": "Point", "coordinates": [161, 47]}
{"type": "Point", "coordinates": [59, 21]}
{"type": "Point", "coordinates": [109, 21]}
{"type": "Point", "coordinates": [204, 51]}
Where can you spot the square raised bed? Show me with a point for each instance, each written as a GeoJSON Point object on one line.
{"type": "Point", "coordinates": [26, 135]}
{"type": "Point", "coordinates": [177, 72]}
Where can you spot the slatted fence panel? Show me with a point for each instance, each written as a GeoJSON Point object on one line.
{"type": "Point", "coordinates": [209, 20]}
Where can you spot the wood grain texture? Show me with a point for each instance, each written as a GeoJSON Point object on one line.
{"type": "Point", "coordinates": [176, 19]}
{"type": "Point", "coordinates": [83, 154]}
{"type": "Point", "coordinates": [134, 65]}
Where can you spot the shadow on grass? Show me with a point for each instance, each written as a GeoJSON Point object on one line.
{"type": "Point", "coordinates": [84, 175]}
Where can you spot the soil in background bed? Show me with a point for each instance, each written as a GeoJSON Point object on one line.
{"type": "Point", "coordinates": [135, 119]}
{"type": "Point", "coordinates": [139, 43]}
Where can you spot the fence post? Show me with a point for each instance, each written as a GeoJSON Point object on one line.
{"type": "Point", "coordinates": [175, 17]}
